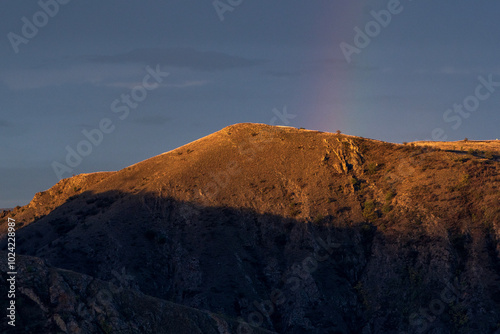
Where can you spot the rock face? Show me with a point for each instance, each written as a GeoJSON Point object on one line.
{"type": "Point", "coordinates": [51, 300]}
{"type": "Point", "coordinates": [292, 231]}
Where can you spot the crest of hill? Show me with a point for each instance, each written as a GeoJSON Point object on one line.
{"type": "Point", "coordinates": [270, 168]}
{"type": "Point", "coordinates": [209, 169]}
{"type": "Point", "coordinates": [475, 146]}
{"type": "Point", "coordinates": [217, 224]}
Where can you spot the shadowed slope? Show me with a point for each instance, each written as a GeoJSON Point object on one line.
{"type": "Point", "coordinates": [51, 300]}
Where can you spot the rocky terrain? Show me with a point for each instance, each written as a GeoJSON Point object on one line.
{"type": "Point", "coordinates": [288, 230]}
{"type": "Point", "coordinates": [54, 300]}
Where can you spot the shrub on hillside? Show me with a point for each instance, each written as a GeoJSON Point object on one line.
{"type": "Point", "coordinates": [369, 211]}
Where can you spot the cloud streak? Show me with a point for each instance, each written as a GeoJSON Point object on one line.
{"type": "Point", "coordinates": [182, 58]}
{"type": "Point", "coordinates": [29, 78]}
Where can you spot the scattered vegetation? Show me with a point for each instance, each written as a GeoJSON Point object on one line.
{"type": "Point", "coordinates": [369, 211]}
{"type": "Point", "coordinates": [355, 183]}
{"type": "Point", "coordinates": [464, 182]}
{"type": "Point", "coordinates": [104, 202]}
{"type": "Point", "coordinates": [294, 209]}
{"type": "Point", "coordinates": [473, 152]}
{"type": "Point", "coordinates": [87, 211]}
{"type": "Point", "coordinates": [458, 315]}
{"type": "Point", "coordinates": [36, 217]}
{"type": "Point", "coordinates": [390, 195]}
{"type": "Point", "coordinates": [362, 293]}
{"type": "Point", "coordinates": [318, 219]}
{"type": "Point", "coordinates": [387, 208]}
{"type": "Point", "coordinates": [62, 225]}
{"type": "Point", "coordinates": [105, 326]}
{"type": "Point", "coordinates": [415, 276]}
{"type": "Point", "coordinates": [372, 168]}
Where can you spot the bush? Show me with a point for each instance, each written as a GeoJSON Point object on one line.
{"type": "Point", "coordinates": [294, 210]}
{"type": "Point", "coordinates": [355, 183]}
{"type": "Point", "coordinates": [318, 219]}
{"type": "Point", "coordinates": [458, 315]}
{"type": "Point", "coordinates": [103, 202]}
{"type": "Point", "coordinates": [372, 168]}
{"type": "Point", "coordinates": [389, 196]}
{"type": "Point", "coordinates": [465, 180]}
{"type": "Point", "coordinates": [387, 208]}
{"type": "Point", "coordinates": [369, 211]}
{"type": "Point", "coordinates": [62, 225]}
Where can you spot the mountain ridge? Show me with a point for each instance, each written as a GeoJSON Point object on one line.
{"type": "Point", "coordinates": [225, 220]}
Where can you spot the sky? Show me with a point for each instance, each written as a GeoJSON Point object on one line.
{"type": "Point", "coordinates": [96, 85]}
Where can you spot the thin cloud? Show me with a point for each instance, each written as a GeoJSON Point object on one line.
{"type": "Point", "coordinates": [282, 74]}
{"type": "Point", "coordinates": [187, 84]}
{"type": "Point", "coordinates": [451, 70]}
{"type": "Point", "coordinates": [132, 84]}
{"type": "Point", "coordinates": [341, 64]}
{"type": "Point", "coordinates": [181, 57]}
{"type": "Point", "coordinates": [27, 78]}
{"type": "Point", "coordinates": [152, 120]}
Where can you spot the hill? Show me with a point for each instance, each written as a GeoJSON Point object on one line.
{"type": "Point", "coordinates": [290, 230]}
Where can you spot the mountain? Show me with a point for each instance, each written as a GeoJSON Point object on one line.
{"type": "Point", "coordinates": [288, 230]}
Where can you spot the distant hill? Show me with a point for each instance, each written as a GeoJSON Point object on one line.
{"type": "Point", "coordinates": [291, 230]}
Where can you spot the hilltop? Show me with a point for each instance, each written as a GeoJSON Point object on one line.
{"type": "Point", "coordinates": [222, 222]}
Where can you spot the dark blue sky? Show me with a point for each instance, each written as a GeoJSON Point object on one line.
{"type": "Point", "coordinates": [79, 65]}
